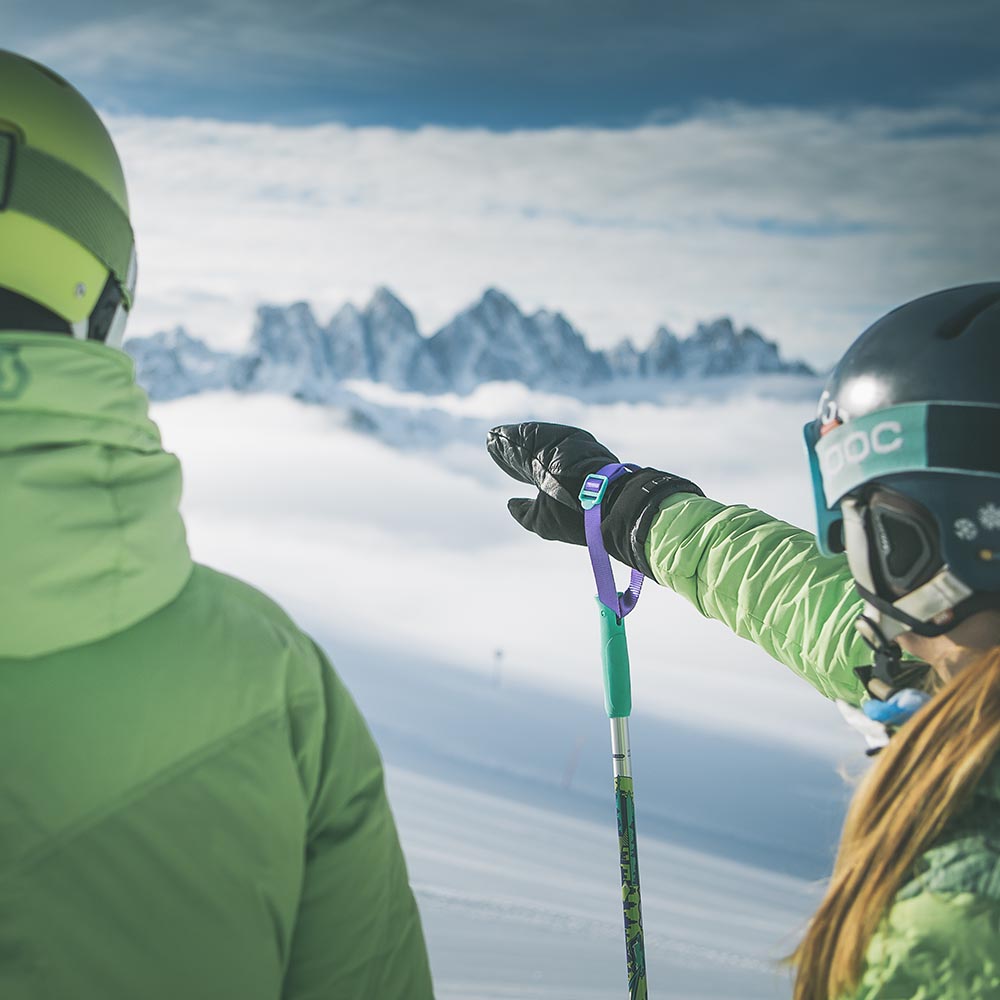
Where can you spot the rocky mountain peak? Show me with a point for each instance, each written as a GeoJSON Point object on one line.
{"type": "Point", "coordinates": [385, 309]}
{"type": "Point", "coordinates": [497, 303]}
{"type": "Point", "coordinates": [488, 341]}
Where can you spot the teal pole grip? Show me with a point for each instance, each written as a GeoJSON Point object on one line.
{"type": "Point", "coordinates": [614, 654]}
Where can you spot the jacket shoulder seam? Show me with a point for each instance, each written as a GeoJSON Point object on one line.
{"type": "Point", "coordinates": [177, 769]}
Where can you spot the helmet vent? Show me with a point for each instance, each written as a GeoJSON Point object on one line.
{"type": "Point", "coordinates": [962, 320]}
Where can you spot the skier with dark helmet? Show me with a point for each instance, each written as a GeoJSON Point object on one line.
{"type": "Point", "coordinates": [896, 614]}
{"type": "Point", "coordinates": [191, 805]}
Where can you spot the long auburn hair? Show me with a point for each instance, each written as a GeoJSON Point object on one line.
{"type": "Point", "coordinates": [920, 781]}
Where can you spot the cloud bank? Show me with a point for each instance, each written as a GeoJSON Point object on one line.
{"type": "Point", "coordinates": [807, 224]}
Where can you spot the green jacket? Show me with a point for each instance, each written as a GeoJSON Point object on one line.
{"type": "Point", "coordinates": [190, 803]}
{"type": "Point", "coordinates": [767, 581]}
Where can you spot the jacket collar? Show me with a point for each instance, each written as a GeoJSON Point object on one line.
{"type": "Point", "coordinates": [91, 539]}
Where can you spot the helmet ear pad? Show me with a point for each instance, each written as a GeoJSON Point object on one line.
{"type": "Point", "coordinates": [105, 324]}
{"type": "Point", "coordinates": [18, 312]}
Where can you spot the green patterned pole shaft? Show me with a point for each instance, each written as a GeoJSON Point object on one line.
{"type": "Point", "coordinates": [618, 701]}
{"type": "Point", "coordinates": [628, 856]}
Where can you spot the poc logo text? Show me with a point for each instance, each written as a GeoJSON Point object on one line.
{"type": "Point", "coordinates": [856, 446]}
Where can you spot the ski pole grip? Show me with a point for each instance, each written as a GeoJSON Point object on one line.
{"type": "Point", "coordinates": [614, 655]}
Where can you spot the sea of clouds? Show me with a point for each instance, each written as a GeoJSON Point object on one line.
{"type": "Point", "coordinates": [805, 224]}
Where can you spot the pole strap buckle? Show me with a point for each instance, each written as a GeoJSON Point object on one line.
{"type": "Point", "coordinates": [593, 490]}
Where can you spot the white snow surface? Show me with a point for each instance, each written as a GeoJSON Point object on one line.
{"type": "Point", "coordinates": [471, 647]}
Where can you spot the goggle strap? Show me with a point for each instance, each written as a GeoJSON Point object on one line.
{"type": "Point", "coordinates": [944, 592]}
{"type": "Point", "coordinates": [51, 191]}
{"type": "Point", "coordinates": [940, 593]}
{"type": "Point", "coordinates": [949, 437]}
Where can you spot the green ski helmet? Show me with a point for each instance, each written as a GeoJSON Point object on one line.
{"type": "Point", "coordinates": [905, 456]}
{"type": "Point", "coordinates": [67, 251]}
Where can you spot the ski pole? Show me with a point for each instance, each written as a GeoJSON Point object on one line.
{"type": "Point", "coordinates": [614, 606]}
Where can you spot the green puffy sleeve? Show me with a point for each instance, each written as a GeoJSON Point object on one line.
{"type": "Point", "coordinates": [767, 581]}
{"type": "Point", "coordinates": [935, 946]}
{"type": "Point", "coordinates": [358, 932]}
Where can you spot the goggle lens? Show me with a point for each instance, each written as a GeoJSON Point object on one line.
{"type": "Point", "coordinates": [892, 543]}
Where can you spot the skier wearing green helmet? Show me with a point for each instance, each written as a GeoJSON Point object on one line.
{"type": "Point", "coordinates": [190, 803]}
{"type": "Point", "coordinates": [896, 614]}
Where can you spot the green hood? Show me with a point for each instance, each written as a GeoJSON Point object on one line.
{"type": "Point", "coordinates": [91, 540]}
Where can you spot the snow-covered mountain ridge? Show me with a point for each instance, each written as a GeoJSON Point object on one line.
{"type": "Point", "coordinates": [291, 353]}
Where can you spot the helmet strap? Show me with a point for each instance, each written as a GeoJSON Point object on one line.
{"type": "Point", "coordinates": [881, 623]}
{"type": "Point", "coordinates": [889, 673]}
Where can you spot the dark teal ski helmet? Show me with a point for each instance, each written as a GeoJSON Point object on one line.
{"type": "Point", "coordinates": [905, 456]}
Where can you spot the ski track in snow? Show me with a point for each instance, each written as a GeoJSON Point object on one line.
{"type": "Point", "coordinates": [515, 896]}
{"type": "Point", "coordinates": [471, 650]}
{"type": "Point", "coordinates": [517, 875]}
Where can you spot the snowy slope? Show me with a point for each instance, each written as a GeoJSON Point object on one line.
{"type": "Point", "coordinates": [470, 645]}
{"type": "Point", "coordinates": [502, 792]}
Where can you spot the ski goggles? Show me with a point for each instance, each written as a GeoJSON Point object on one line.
{"type": "Point", "coordinates": [892, 543]}
{"type": "Point", "coordinates": [899, 566]}
{"type": "Point", "coordinates": [913, 437]}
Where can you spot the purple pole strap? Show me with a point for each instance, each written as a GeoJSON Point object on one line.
{"type": "Point", "coordinates": [607, 589]}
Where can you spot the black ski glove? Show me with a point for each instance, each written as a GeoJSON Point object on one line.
{"type": "Point", "coordinates": [557, 459]}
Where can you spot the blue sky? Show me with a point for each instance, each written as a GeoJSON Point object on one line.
{"type": "Point", "coordinates": [510, 64]}
{"type": "Point", "coordinates": [802, 167]}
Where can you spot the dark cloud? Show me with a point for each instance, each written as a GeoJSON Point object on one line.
{"type": "Point", "coordinates": [517, 63]}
